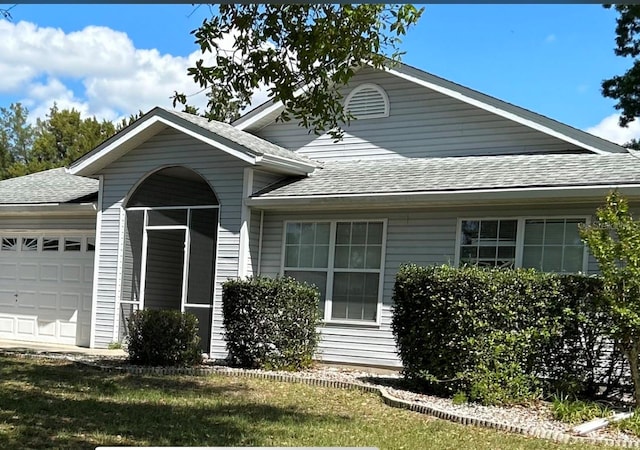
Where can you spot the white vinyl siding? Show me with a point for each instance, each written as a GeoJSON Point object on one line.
{"type": "Point", "coordinates": [168, 148]}
{"type": "Point", "coordinates": [421, 123]}
{"type": "Point", "coordinates": [423, 236]}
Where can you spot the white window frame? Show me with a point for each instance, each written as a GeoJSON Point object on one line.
{"type": "Point", "coordinates": [520, 226]}
{"type": "Point", "coordinates": [330, 269]}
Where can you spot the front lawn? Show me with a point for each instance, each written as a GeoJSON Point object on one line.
{"type": "Point", "coordinates": [59, 404]}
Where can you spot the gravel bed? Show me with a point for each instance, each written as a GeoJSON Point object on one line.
{"type": "Point", "coordinates": [535, 416]}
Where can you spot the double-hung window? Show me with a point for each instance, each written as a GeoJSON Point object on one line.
{"type": "Point", "coordinates": [546, 244]}
{"type": "Point", "coordinates": [344, 259]}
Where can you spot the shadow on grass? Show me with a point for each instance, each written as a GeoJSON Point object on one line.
{"type": "Point", "coordinates": [64, 405]}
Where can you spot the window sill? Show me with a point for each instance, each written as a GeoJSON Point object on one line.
{"type": "Point", "coordinates": [349, 323]}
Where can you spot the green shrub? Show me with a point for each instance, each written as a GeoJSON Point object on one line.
{"type": "Point", "coordinates": [270, 322]}
{"type": "Point", "coordinates": [501, 336]}
{"type": "Point", "coordinates": [574, 411]}
{"type": "Point", "coordinates": [163, 338]}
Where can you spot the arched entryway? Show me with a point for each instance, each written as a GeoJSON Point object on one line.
{"type": "Point", "coordinates": [169, 253]}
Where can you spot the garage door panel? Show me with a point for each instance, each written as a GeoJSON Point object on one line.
{"type": "Point", "coordinates": [71, 272]}
{"type": "Point", "coordinates": [47, 327]}
{"type": "Point", "coordinates": [28, 272]}
{"type": "Point", "coordinates": [8, 270]}
{"type": "Point", "coordinates": [49, 272]}
{"type": "Point", "coordinates": [68, 330]}
{"type": "Point", "coordinates": [26, 299]}
{"type": "Point", "coordinates": [25, 326]}
{"type": "Point", "coordinates": [7, 299]}
{"type": "Point", "coordinates": [86, 304]}
{"type": "Point", "coordinates": [69, 301]}
{"type": "Point", "coordinates": [7, 325]}
{"type": "Point", "coordinates": [88, 274]}
{"type": "Point", "coordinates": [48, 301]}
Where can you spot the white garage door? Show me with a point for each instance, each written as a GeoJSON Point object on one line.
{"type": "Point", "coordinates": [45, 287]}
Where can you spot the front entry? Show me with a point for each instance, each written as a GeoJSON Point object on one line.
{"type": "Point", "coordinates": [169, 252]}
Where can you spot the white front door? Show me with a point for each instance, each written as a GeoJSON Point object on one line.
{"type": "Point", "coordinates": [45, 286]}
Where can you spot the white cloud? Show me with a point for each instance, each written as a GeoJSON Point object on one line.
{"type": "Point", "coordinates": [96, 70]}
{"type": "Point", "coordinates": [609, 129]}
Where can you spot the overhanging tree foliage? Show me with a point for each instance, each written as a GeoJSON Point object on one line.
{"type": "Point", "coordinates": [614, 240]}
{"type": "Point", "coordinates": [287, 46]}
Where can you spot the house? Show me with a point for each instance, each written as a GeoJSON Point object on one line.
{"type": "Point", "coordinates": [161, 214]}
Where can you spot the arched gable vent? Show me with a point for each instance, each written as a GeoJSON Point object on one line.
{"type": "Point", "coordinates": [367, 101]}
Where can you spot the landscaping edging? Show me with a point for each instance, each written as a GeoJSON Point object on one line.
{"type": "Point", "coordinates": [387, 398]}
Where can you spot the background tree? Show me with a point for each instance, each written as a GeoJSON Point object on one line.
{"type": "Point", "coordinates": [55, 141]}
{"type": "Point", "coordinates": [16, 138]}
{"type": "Point", "coordinates": [289, 46]}
{"type": "Point", "coordinates": [65, 136]}
{"type": "Point", "coordinates": [626, 88]}
{"type": "Point", "coordinates": [614, 240]}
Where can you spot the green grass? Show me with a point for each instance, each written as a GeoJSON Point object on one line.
{"type": "Point", "coordinates": [58, 404]}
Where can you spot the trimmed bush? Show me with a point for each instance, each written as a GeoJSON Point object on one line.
{"type": "Point", "coordinates": [501, 336]}
{"type": "Point", "coordinates": [270, 323]}
{"type": "Point", "coordinates": [163, 338]}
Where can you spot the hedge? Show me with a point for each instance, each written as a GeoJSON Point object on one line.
{"type": "Point", "coordinates": [501, 336]}
{"type": "Point", "coordinates": [270, 323]}
{"type": "Point", "coordinates": [163, 338]}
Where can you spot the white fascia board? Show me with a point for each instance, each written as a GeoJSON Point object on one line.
{"type": "Point", "coordinates": [92, 163]}
{"type": "Point", "coordinates": [499, 111]}
{"type": "Point", "coordinates": [574, 194]}
{"type": "Point", "coordinates": [42, 209]}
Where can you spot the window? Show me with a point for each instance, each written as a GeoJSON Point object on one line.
{"type": "Point", "coordinates": [547, 244]}
{"type": "Point", "coordinates": [29, 244]}
{"type": "Point", "coordinates": [553, 245]}
{"type": "Point", "coordinates": [344, 260]}
{"type": "Point", "coordinates": [91, 244]}
{"type": "Point", "coordinates": [72, 244]}
{"type": "Point", "coordinates": [9, 244]}
{"type": "Point", "coordinates": [49, 244]}
{"type": "Point", "coordinates": [489, 243]}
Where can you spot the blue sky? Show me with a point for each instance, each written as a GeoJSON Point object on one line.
{"type": "Point", "coordinates": [113, 60]}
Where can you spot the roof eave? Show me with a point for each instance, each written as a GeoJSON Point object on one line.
{"type": "Point", "coordinates": [285, 165]}
{"type": "Point", "coordinates": [156, 122]}
{"type": "Point", "coordinates": [42, 209]}
{"type": "Point", "coordinates": [568, 194]}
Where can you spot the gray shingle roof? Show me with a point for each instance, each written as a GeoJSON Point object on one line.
{"type": "Point", "coordinates": [461, 173]}
{"type": "Point", "coordinates": [50, 186]}
{"type": "Point", "coordinates": [252, 143]}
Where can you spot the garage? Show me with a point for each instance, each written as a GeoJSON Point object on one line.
{"type": "Point", "coordinates": [46, 286]}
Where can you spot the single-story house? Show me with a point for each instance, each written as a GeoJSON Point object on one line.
{"type": "Point", "coordinates": [162, 213]}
